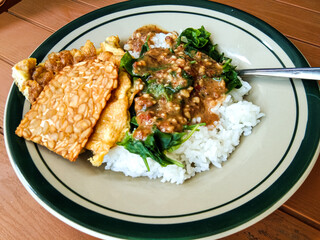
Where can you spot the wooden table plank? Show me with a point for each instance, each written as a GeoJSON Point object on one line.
{"type": "Point", "coordinates": [305, 203]}
{"type": "Point", "coordinates": [15, 43]}
{"type": "Point", "coordinates": [275, 227]}
{"type": "Point", "coordinates": [6, 82]}
{"type": "Point", "coordinates": [50, 14]}
{"type": "Point", "coordinates": [294, 22]}
{"type": "Point", "coordinates": [311, 5]}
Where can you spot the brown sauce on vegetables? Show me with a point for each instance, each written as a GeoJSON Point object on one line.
{"type": "Point", "coordinates": [181, 88]}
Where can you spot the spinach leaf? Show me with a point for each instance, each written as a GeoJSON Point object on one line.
{"type": "Point", "coordinates": [135, 146]}
{"type": "Point", "coordinates": [127, 62]}
{"type": "Point", "coordinates": [133, 121]}
{"type": "Point", "coordinates": [230, 76]}
{"type": "Point", "coordinates": [147, 148]}
{"type": "Point", "coordinates": [144, 48]}
{"type": "Point", "coordinates": [172, 141]}
{"type": "Point", "coordinates": [189, 79]}
{"type": "Point", "coordinates": [199, 40]}
{"type": "Point", "coordinates": [167, 140]}
{"type": "Point", "coordinates": [158, 90]}
{"type": "Point", "coordinates": [157, 144]}
{"type": "Point", "coordinates": [179, 141]}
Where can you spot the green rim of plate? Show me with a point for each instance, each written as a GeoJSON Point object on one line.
{"type": "Point", "coordinates": [105, 225]}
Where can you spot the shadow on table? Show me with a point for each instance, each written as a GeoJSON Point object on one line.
{"type": "Point", "coordinates": [6, 4]}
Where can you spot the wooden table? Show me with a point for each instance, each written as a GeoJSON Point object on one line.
{"type": "Point", "coordinates": [25, 24]}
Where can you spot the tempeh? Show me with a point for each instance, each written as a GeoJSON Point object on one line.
{"type": "Point", "coordinates": [63, 116]}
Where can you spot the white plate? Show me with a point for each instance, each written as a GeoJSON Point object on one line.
{"type": "Point", "coordinates": [263, 172]}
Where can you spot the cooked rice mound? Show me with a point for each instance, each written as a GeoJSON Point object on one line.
{"type": "Point", "coordinates": [237, 118]}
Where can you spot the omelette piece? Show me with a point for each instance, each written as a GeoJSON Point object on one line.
{"type": "Point", "coordinates": [114, 122]}
{"type": "Point", "coordinates": [63, 116]}
{"type": "Point", "coordinates": [32, 78]}
{"type": "Point", "coordinates": [115, 118]}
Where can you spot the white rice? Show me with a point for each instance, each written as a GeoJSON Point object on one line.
{"type": "Point", "coordinates": [237, 117]}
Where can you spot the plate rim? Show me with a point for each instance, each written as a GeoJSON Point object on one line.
{"type": "Point", "coordinates": [293, 51]}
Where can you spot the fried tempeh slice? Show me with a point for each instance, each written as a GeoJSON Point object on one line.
{"type": "Point", "coordinates": [63, 116]}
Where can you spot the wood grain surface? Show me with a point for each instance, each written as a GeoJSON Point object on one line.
{"type": "Point", "coordinates": [51, 15]}
{"type": "Point", "coordinates": [26, 23]}
{"type": "Point", "coordinates": [15, 43]}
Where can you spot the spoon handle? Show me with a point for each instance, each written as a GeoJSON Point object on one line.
{"type": "Point", "coordinates": [302, 73]}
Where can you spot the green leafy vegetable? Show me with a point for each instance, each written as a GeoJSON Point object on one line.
{"type": "Point", "coordinates": [144, 48]}
{"type": "Point", "coordinates": [199, 40]}
{"type": "Point", "coordinates": [158, 90]}
{"type": "Point", "coordinates": [189, 79]}
{"type": "Point", "coordinates": [230, 76]}
{"type": "Point", "coordinates": [157, 144]}
{"type": "Point", "coordinates": [133, 121]}
{"type": "Point", "coordinates": [185, 136]}
{"type": "Point", "coordinates": [173, 73]}
{"type": "Point", "coordinates": [127, 62]}
{"type": "Point", "coordinates": [147, 148]}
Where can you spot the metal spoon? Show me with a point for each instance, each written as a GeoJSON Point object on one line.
{"type": "Point", "coordinates": [301, 73]}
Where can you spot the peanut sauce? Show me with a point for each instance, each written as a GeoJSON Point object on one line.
{"type": "Point", "coordinates": [181, 89]}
